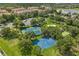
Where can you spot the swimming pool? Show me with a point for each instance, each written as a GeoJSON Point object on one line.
{"type": "Point", "coordinates": [44, 42]}
{"type": "Point", "coordinates": [36, 30]}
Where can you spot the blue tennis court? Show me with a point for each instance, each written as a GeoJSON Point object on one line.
{"type": "Point", "coordinates": [44, 42]}
{"type": "Point", "coordinates": [36, 30]}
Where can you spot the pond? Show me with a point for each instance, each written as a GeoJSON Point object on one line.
{"type": "Point", "coordinates": [36, 30]}
{"type": "Point", "coordinates": [72, 11]}
{"type": "Point", "coordinates": [44, 42]}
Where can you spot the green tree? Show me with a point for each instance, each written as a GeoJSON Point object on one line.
{"type": "Point", "coordinates": [52, 32]}
{"type": "Point", "coordinates": [65, 45]}
{"type": "Point", "coordinates": [25, 47]}
{"type": "Point", "coordinates": [9, 18]}
{"type": "Point", "coordinates": [18, 23]}
{"type": "Point", "coordinates": [25, 44]}
{"type": "Point", "coordinates": [36, 51]}
{"type": "Point", "coordinates": [2, 20]}
{"type": "Point", "coordinates": [9, 33]}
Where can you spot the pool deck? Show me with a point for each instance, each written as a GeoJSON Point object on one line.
{"type": "Point", "coordinates": [27, 22]}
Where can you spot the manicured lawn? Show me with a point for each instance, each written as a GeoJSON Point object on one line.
{"type": "Point", "coordinates": [10, 48]}
{"type": "Point", "coordinates": [65, 33]}
{"type": "Point", "coordinates": [52, 23]}
{"type": "Point", "coordinates": [53, 51]}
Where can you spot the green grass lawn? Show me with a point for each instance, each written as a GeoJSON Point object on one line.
{"type": "Point", "coordinates": [53, 51]}
{"type": "Point", "coordinates": [52, 23]}
{"type": "Point", "coordinates": [65, 33]}
{"type": "Point", "coordinates": [9, 47]}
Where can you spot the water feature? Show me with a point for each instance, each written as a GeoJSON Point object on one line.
{"type": "Point", "coordinates": [44, 42]}
{"type": "Point", "coordinates": [36, 30]}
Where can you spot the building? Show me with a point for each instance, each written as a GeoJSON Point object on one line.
{"type": "Point", "coordinates": [3, 11]}
{"type": "Point", "coordinates": [18, 10]}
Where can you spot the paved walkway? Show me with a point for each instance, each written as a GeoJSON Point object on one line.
{"type": "Point", "coordinates": [1, 54]}
{"type": "Point", "coordinates": [27, 21]}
